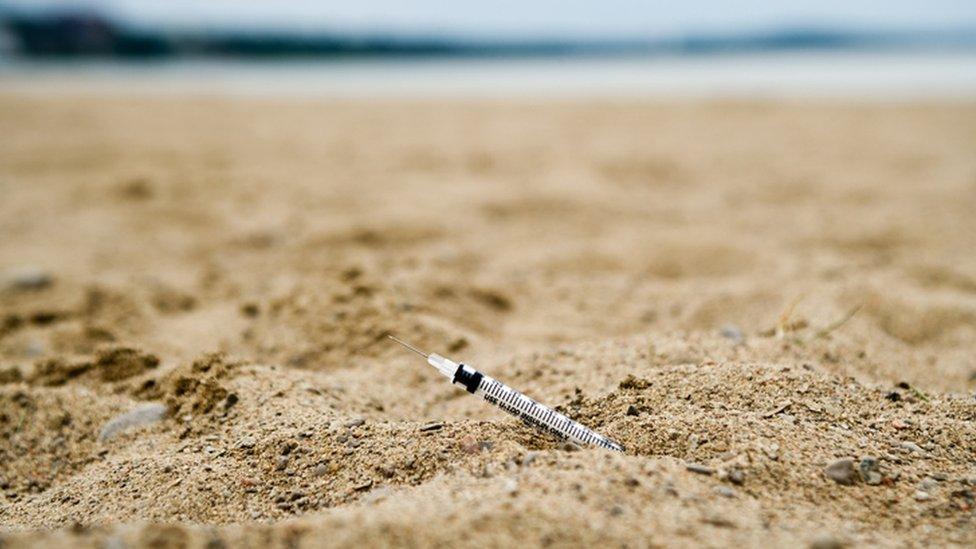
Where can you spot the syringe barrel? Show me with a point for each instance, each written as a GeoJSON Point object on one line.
{"type": "Point", "coordinates": [528, 410]}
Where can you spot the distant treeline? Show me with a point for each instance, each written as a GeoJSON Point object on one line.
{"type": "Point", "coordinates": [91, 35]}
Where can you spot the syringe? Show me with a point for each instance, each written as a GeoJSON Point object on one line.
{"type": "Point", "coordinates": [529, 411]}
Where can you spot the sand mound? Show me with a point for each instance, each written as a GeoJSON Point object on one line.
{"type": "Point", "coordinates": [707, 444]}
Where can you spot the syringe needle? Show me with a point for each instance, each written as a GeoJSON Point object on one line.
{"type": "Point", "coordinates": [408, 346]}
{"type": "Point", "coordinates": [514, 402]}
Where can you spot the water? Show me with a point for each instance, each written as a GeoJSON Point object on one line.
{"type": "Point", "coordinates": [842, 75]}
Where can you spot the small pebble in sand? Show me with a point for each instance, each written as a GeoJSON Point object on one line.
{"type": "Point", "coordinates": [470, 444]}
{"type": "Point", "coordinates": [281, 463]}
{"type": "Point", "coordinates": [827, 543]}
{"type": "Point", "coordinates": [114, 542]}
{"type": "Point", "coordinates": [247, 443]}
{"type": "Point", "coordinates": [725, 491]}
{"type": "Point", "coordinates": [431, 427]}
{"type": "Point", "coordinates": [842, 471]}
{"type": "Point", "coordinates": [250, 485]}
{"type": "Point", "coordinates": [928, 484]}
{"type": "Point", "coordinates": [699, 468]}
{"type": "Point", "coordinates": [34, 348]}
{"type": "Point", "coordinates": [230, 401]}
{"type": "Point", "coordinates": [28, 278]}
{"type": "Point", "coordinates": [355, 422]}
{"type": "Point", "coordinates": [733, 332]}
{"type": "Point", "coordinates": [569, 447]}
{"type": "Point", "coordinates": [143, 415]}
{"type": "Point", "coordinates": [250, 310]}
{"type": "Point", "coordinates": [737, 476]}
{"type": "Point", "coordinates": [912, 447]}
{"type": "Point", "coordinates": [320, 470]}
{"type": "Point", "coordinates": [922, 496]}
{"type": "Point", "coordinates": [869, 470]}
{"type": "Point", "coordinates": [288, 446]}
{"type": "Point", "coordinates": [632, 410]}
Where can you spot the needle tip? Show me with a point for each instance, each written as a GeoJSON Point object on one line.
{"type": "Point", "coordinates": [408, 346]}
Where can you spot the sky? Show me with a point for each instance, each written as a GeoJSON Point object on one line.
{"type": "Point", "coordinates": [534, 18]}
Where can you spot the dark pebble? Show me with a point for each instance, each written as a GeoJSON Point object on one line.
{"type": "Point", "coordinates": [842, 471]}
{"type": "Point", "coordinates": [288, 446]}
{"type": "Point", "coordinates": [827, 543]}
{"type": "Point", "coordinates": [868, 468]}
{"type": "Point", "coordinates": [699, 468]}
{"type": "Point", "coordinates": [737, 477]}
{"type": "Point", "coordinates": [570, 447]}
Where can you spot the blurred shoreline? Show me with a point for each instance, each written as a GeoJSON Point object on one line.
{"type": "Point", "coordinates": [846, 75]}
{"type": "Point", "coordinates": [84, 34]}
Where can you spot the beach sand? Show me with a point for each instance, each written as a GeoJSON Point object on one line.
{"type": "Point", "coordinates": [742, 293]}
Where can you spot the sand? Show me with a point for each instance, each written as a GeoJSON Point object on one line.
{"type": "Point", "coordinates": [743, 294]}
